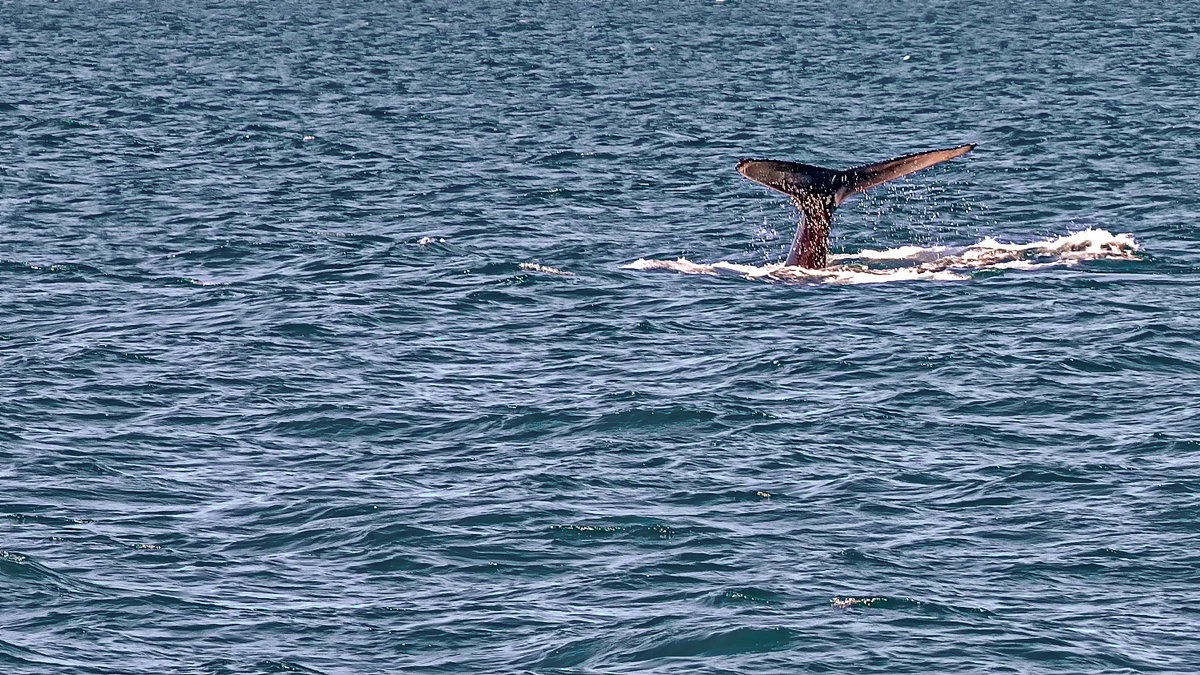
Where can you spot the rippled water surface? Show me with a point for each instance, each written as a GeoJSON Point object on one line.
{"type": "Point", "coordinates": [322, 352]}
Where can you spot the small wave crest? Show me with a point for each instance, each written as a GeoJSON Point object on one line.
{"type": "Point", "coordinates": [545, 269]}
{"type": "Point", "coordinates": [933, 263]}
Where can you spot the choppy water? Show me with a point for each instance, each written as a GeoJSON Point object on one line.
{"type": "Point", "coordinates": [322, 352]}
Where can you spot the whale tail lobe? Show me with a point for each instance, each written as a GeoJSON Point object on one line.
{"type": "Point", "coordinates": [817, 191]}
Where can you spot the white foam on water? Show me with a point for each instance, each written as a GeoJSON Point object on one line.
{"type": "Point", "coordinates": [778, 272]}
{"type": "Point", "coordinates": [545, 269]}
{"type": "Point", "coordinates": [933, 263]}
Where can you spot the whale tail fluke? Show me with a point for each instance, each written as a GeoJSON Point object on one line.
{"type": "Point", "coordinates": [817, 191]}
{"type": "Point", "coordinates": [863, 177]}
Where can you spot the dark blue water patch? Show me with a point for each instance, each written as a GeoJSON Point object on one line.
{"type": "Point", "coordinates": [282, 392]}
{"type": "Point", "coordinates": [736, 641]}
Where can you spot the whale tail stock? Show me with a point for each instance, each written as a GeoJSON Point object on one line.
{"type": "Point", "coordinates": [817, 191]}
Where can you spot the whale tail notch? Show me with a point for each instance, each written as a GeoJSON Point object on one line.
{"type": "Point", "coordinates": [817, 191]}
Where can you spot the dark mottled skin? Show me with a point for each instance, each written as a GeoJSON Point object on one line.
{"type": "Point", "coordinates": [810, 248]}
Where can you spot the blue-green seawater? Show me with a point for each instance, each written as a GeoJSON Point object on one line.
{"type": "Point", "coordinates": [276, 393]}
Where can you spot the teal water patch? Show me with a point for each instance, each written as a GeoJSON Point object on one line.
{"type": "Point", "coordinates": [325, 347]}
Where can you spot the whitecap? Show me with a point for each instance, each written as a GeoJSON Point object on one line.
{"type": "Point", "coordinates": [545, 269]}
{"type": "Point", "coordinates": [932, 263]}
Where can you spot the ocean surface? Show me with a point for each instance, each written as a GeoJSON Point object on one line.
{"type": "Point", "coordinates": [432, 337]}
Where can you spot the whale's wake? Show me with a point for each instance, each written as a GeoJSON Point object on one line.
{"type": "Point", "coordinates": [935, 263]}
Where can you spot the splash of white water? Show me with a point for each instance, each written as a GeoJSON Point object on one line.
{"type": "Point", "coordinates": [545, 269]}
{"type": "Point", "coordinates": [934, 263]}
